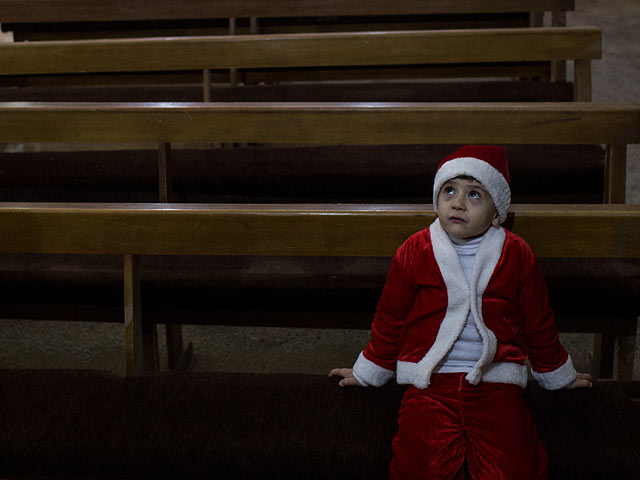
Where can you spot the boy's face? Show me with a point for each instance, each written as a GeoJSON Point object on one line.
{"type": "Point", "coordinates": [465, 209]}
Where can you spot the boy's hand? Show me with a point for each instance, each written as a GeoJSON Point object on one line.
{"type": "Point", "coordinates": [583, 380]}
{"type": "Point", "coordinates": [348, 380]}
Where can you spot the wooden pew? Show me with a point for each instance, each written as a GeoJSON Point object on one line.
{"type": "Point", "coordinates": [71, 423]}
{"type": "Point", "coordinates": [370, 52]}
{"type": "Point", "coordinates": [577, 231]}
{"type": "Point", "coordinates": [76, 18]}
{"type": "Point", "coordinates": [571, 123]}
{"type": "Point", "coordinates": [332, 123]}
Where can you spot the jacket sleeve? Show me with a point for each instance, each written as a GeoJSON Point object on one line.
{"type": "Point", "coordinates": [377, 362]}
{"type": "Point", "coordinates": [551, 365]}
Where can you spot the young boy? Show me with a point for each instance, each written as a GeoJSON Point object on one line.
{"type": "Point", "coordinates": [463, 307]}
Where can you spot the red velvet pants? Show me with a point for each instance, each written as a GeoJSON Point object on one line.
{"type": "Point", "coordinates": [488, 424]}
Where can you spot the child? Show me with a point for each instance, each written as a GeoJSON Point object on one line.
{"type": "Point", "coordinates": [463, 307]}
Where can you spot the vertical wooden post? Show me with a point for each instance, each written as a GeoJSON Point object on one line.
{"type": "Point", "coordinates": [178, 357]}
{"type": "Point", "coordinates": [559, 67]}
{"type": "Point", "coordinates": [582, 80]}
{"type": "Point", "coordinates": [615, 176]}
{"type": "Point", "coordinates": [233, 72]}
{"type": "Point", "coordinates": [559, 18]}
{"type": "Point", "coordinates": [625, 356]}
{"type": "Point", "coordinates": [206, 85]}
{"type": "Point", "coordinates": [206, 93]}
{"type": "Point", "coordinates": [253, 25]}
{"type": "Point", "coordinates": [173, 331]}
{"type": "Point", "coordinates": [597, 369]}
{"type": "Point", "coordinates": [537, 19]}
{"type": "Point", "coordinates": [164, 172]}
{"type": "Point", "coordinates": [150, 352]}
{"type": "Point", "coordinates": [134, 358]}
{"type": "Point", "coordinates": [615, 191]}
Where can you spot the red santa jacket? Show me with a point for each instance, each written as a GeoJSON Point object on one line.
{"type": "Point", "coordinates": [426, 301]}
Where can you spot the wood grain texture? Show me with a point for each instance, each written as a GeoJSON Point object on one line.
{"type": "Point", "coordinates": [607, 231]}
{"type": "Point", "coordinates": [121, 10]}
{"type": "Point", "coordinates": [321, 123]}
{"type": "Point", "coordinates": [302, 50]}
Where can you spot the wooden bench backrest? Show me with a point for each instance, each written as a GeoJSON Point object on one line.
{"type": "Point", "coordinates": [360, 49]}
{"type": "Point", "coordinates": [321, 123]}
{"type": "Point", "coordinates": [302, 50]}
{"type": "Point", "coordinates": [32, 11]}
{"type": "Point", "coordinates": [334, 123]}
{"type": "Point", "coordinates": [577, 231]}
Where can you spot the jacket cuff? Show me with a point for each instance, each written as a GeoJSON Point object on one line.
{"type": "Point", "coordinates": [368, 373]}
{"type": "Point", "coordinates": [561, 377]}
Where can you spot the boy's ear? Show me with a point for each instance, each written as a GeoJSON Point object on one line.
{"type": "Point", "coordinates": [496, 220]}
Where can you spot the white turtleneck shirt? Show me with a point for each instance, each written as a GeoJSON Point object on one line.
{"type": "Point", "coordinates": [467, 349]}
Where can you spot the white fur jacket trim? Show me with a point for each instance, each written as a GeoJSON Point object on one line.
{"type": "Point", "coordinates": [463, 297]}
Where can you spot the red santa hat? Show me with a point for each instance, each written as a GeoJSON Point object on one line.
{"type": "Point", "coordinates": [487, 164]}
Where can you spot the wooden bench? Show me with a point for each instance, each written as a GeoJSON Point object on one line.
{"type": "Point", "coordinates": [30, 18]}
{"type": "Point", "coordinates": [331, 123]}
{"type": "Point", "coordinates": [575, 231]}
{"type": "Point", "coordinates": [571, 123]}
{"type": "Point", "coordinates": [265, 56]}
{"type": "Point", "coordinates": [84, 424]}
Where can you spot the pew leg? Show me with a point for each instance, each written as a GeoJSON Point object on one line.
{"type": "Point", "coordinates": [141, 340]}
{"type": "Point", "coordinates": [150, 351]}
{"type": "Point", "coordinates": [615, 174]}
{"type": "Point", "coordinates": [134, 359]}
{"type": "Point", "coordinates": [178, 357]}
{"type": "Point", "coordinates": [614, 357]}
{"type": "Point", "coordinates": [164, 172]}
{"type": "Point", "coordinates": [559, 67]}
{"type": "Point", "coordinates": [582, 80]}
{"type": "Point", "coordinates": [206, 85]}
{"type": "Point", "coordinates": [625, 357]}
{"type": "Point", "coordinates": [603, 355]}
{"type": "Point", "coordinates": [536, 19]}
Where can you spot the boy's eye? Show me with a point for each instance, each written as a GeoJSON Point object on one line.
{"type": "Point", "coordinates": [449, 190]}
{"type": "Point", "coordinates": [474, 194]}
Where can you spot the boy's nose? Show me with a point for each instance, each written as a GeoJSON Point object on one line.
{"type": "Point", "coordinates": [458, 203]}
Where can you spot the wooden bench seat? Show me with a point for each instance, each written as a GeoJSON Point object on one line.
{"type": "Point", "coordinates": [85, 424]}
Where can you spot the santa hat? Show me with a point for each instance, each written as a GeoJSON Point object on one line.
{"type": "Point", "coordinates": [486, 164]}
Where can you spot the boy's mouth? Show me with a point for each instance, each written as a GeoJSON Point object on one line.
{"type": "Point", "coordinates": [456, 220]}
